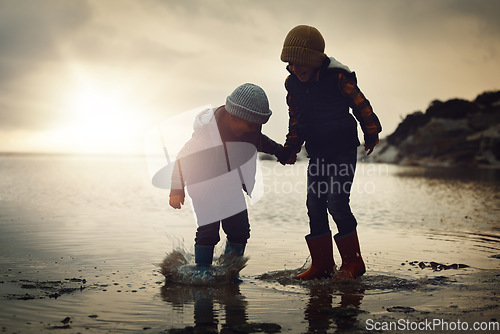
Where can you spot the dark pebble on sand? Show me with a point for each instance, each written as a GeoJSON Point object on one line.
{"type": "Point", "coordinates": [403, 309]}
{"type": "Point", "coordinates": [435, 266]}
{"type": "Point", "coordinates": [60, 327]}
{"type": "Point", "coordinates": [93, 316]}
{"type": "Point", "coordinates": [82, 280]}
{"type": "Point", "coordinates": [26, 297]}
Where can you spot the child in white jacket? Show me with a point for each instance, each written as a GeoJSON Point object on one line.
{"type": "Point", "coordinates": [217, 163]}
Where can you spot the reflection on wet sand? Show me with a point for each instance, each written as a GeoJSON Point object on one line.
{"type": "Point", "coordinates": [321, 311]}
{"type": "Point", "coordinates": [338, 305]}
{"type": "Point", "coordinates": [321, 314]}
{"type": "Point", "coordinates": [207, 317]}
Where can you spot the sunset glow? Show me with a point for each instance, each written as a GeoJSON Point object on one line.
{"type": "Point", "coordinates": [93, 76]}
{"type": "Point", "coordinates": [101, 116]}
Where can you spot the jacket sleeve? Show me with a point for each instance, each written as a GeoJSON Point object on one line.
{"type": "Point", "coordinates": [293, 140]}
{"type": "Point", "coordinates": [177, 180]}
{"type": "Point", "coordinates": [266, 144]}
{"type": "Point", "coordinates": [361, 108]}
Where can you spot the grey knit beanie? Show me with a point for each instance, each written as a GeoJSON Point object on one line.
{"type": "Point", "coordinates": [249, 102]}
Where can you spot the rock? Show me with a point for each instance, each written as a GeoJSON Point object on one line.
{"type": "Point", "coordinates": [452, 133]}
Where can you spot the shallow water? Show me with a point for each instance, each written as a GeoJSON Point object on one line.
{"type": "Point", "coordinates": [82, 237]}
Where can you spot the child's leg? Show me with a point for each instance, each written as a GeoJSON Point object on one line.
{"type": "Point", "coordinates": [317, 188]}
{"type": "Point", "coordinates": [338, 205]}
{"type": "Point", "coordinates": [339, 208]}
{"type": "Point", "coordinates": [340, 178]}
{"type": "Point", "coordinates": [207, 235]}
{"type": "Point", "coordinates": [319, 241]}
{"type": "Point", "coordinates": [237, 228]}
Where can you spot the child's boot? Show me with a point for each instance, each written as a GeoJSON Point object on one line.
{"type": "Point", "coordinates": [233, 251]}
{"type": "Point", "coordinates": [321, 250]}
{"type": "Point", "coordinates": [352, 262]}
{"type": "Point", "coordinates": [203, 256]}
{"type": "Point", "coordinates": [234, 248]}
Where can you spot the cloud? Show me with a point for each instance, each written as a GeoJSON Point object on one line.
{"type": "Point", "coordinates": [177, 55]}
{"type": "Point", "coordinates": [485, 12]}
{"type": "Point", "coordinates": [32, 31]}
{"type": "Point", "coordinates": [32, 35]}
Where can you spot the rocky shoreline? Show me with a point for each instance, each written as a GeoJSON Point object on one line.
{"type": "Point", "coordinates": [455, 133]}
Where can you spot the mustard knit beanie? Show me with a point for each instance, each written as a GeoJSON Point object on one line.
{"type": "Point", "coordinates": [304, 46]}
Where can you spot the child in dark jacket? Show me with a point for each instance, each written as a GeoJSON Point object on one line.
{"type": "Point", "coordinates": [217, 163]}
{"type": "Point", "coordinates": [320, 91]}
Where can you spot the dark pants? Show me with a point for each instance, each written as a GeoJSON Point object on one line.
{"type": "Point", "coordinates": [237, 229]}
{"type": "Point", "coordinates": [328, 191]}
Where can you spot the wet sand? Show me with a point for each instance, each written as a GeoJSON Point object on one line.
{"type": "Point", "coordinates": [449, 297]}
{"type": "Point", "coordinates": [81, 253]}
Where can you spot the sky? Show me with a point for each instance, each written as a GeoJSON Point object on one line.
{"type": "Point", "coordinates": [93, 76]}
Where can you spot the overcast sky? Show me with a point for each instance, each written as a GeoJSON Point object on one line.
{"type": "Point", "coordinates": [93, 76]}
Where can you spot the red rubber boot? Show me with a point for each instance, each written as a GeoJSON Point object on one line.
{"type": "Point", "coordinates": [353, 265]}
{"type": "Point", "coordinates": [321, 250]}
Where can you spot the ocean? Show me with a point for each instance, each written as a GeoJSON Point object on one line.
{"type": "Point", "coordinates": [82, 237]}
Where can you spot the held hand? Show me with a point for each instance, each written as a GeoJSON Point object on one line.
{"type": "Point", "coordinates": [283, 154]}
{"type": "Point", "coordinates": [369, 148]}
{"type": "Point", "coordinates": [176, 201]}
{"type": "Point", "coordinates": [292, 159]}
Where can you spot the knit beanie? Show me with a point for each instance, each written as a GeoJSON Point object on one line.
{"type": "Point", "coordinates": [304, 46]}
{"type": "Point", "coordinates": [249, 102]}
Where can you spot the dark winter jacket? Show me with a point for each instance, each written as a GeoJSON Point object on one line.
{"type": "Point", "coordinates": [319, 112]}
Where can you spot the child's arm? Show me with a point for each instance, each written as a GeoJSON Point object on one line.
{"type": "Point", "coordinates": [269, 146]}
{"type": "Point", "coordinates": [293, 140]}
{"type": "Point", "coordinates": [177, 194]}
{"type": "Point", "coordinates": [362, 110]}
{"type": "Point", "coordinates": [266, 144]}
{"type": "Point", "coordinates": [176, 201]}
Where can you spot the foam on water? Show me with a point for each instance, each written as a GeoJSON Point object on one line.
{"type": "Point", "coordinates": [177, 269]}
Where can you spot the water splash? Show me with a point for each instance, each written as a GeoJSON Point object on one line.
{"type": "Point", "coordinates": [365, 282]}
{"type": "Point", "coordinates": [178, 270]}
